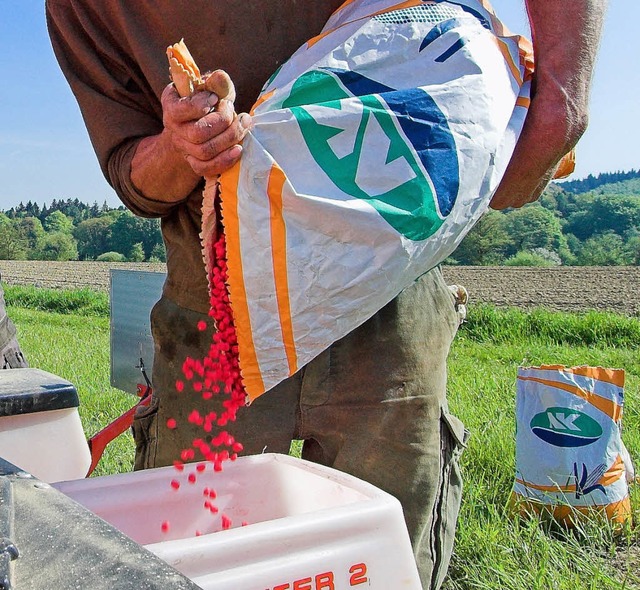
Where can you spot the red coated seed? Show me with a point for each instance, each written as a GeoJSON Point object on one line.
{"type": "Point", "coordinates": [175, 484]}
{"type": "Point", "coordinates": [165, 526]}
{"type": "Point", "coordinates": [187, 454]}
{"type": "Point", "coordinates": [217, 373]}
{"type": "Point", "coordinates": [171, 423]}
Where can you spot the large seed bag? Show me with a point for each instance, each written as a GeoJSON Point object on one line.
{"type": "Point", "coordinates": [374, 150]}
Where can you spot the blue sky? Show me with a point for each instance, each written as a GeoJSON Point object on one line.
{"type": "Point", "coordinates": [45, 152]}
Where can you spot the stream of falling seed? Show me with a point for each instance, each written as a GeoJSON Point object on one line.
{"type": "Point", "coordinates": [217, 374]}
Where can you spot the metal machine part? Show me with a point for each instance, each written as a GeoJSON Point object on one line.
{"type": "Point", "coordinates": [49, 541]}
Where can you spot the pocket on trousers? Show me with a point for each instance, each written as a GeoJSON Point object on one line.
{"type": "Point", "coordinates": [145, 435]}
{"type": "Point", "coordinates": [453, 441]}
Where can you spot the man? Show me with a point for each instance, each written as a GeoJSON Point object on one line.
{"type": "Point", "coordinates": [11, 356]}
{"type": "Point", "coordinates": [374, 404]}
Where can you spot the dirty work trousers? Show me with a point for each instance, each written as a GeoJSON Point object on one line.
{"type": "Point", "coordinates": [11, 356]}
{"type": "Point", "coordinates": [372, 405]}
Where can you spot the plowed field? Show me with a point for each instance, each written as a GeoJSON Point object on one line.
{"type": "Point", "coordinates": [612, 288]}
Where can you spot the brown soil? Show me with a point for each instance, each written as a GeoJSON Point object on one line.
{"type": "Point", "coordinates": [613, 288]}
{"type": "Point", "coordinates": [578, 288]}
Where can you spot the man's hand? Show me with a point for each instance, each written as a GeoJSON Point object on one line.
{"type": "Point", "coordinates": [565, 40]}
{"type": "Point", "coordinates": [204, 129]}
{"type": "Point", "coordinates": [200, 138]}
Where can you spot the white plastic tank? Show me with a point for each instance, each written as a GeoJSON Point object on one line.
{"type": "Point", "coordinates": [293, 525]}
{"type": "Point", "coordinates": [40, 428]}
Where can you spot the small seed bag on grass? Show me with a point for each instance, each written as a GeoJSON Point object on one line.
{"type": "Point", "coordinates": [570, 459]}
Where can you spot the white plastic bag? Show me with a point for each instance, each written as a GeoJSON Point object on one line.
{"type": "Point", "coordinates": [374, 150]}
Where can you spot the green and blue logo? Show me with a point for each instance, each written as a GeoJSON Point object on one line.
{"type": "Point", "coordinates": [564, 427]}
{"type": "Point", "coordinates": [401, 136]}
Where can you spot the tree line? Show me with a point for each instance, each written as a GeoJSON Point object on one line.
{"type": "Point", "coordinates": [72, 230]}
{"type": "Point", "coordinates": [600, 227]}
{"type": "Point", "coordinates": [591, 182]}
{"type": "Point", "coordinates": [596, 227]}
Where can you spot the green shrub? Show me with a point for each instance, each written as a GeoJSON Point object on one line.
{"type": "Point", "coordinates": [112, 257]}
{"type": "Point", "coordinates": [528, 258]}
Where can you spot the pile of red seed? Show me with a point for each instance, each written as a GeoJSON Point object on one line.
{"type": "Point", "coordinates": [217, 374]}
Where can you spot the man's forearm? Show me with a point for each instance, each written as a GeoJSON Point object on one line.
{"type": "Point", "coordinates": [160, 172]}
{"type": "Point", "coordinates": [566, 36]}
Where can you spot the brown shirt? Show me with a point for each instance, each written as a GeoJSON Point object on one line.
{"type": "Point", "coordinates": [112, 53]}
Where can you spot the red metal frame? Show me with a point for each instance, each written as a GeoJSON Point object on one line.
{"type": "Point", "coordinates": [99, 441]}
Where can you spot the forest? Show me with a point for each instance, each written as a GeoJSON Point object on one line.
{"type": "Point", "coordinates": [593, 221]}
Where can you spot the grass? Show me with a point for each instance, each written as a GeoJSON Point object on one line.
{"type": "Point", "coordinates": [84, 302]}
{"type": "Point", "coordinates": [493, 551]}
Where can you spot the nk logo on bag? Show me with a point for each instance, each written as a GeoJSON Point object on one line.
{"type": "Point", "coordinates": [392, 148]}
{"type": "Point", "coordinates": [564, 427]}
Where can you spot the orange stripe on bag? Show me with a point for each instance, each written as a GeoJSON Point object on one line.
{"type": "Point", "coordinates": [508, 58]}
{"type": "Point", "coordinates": [617, 512]}
{"type": "Point", "coordinates": [543, 488]}
{"type": "Point", "coordinates": [251, 375]}
{"type": "Point", "coordinates": [611, 409]}
{"type": "Point", "coordinates": [612, 376]}
{"type": "Point", "coordinates": [263, 98]}
{"type": "Point", "coordinates": [279, 254]}
{"type": "Point", "coordinates": [613, 474]}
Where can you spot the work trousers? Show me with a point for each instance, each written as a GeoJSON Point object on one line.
{"type": "Point", "coordinates": [372, 405]}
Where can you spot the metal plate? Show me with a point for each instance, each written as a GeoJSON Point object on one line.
{"type": "Point", "coordinates": [133, 294]}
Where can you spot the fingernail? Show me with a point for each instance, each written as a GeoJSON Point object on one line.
{"type": "Point", "coordinates": [212, 100]}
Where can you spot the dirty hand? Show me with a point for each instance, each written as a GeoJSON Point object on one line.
{"type": "Point", "coordinates": [204, 127]}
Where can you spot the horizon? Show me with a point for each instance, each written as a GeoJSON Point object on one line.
{"type": "Point", "coordinates": [120, 205]}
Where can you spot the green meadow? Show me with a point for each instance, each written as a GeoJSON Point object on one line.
{"type": "Point", "coordinates": [67, 333]}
